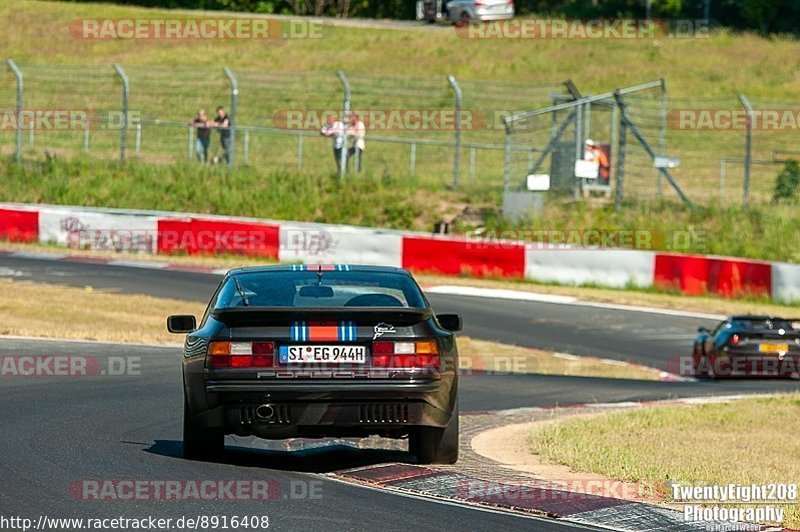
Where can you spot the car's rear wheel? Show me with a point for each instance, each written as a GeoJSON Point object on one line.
{"type": "Point", "coordinates": [434, 445]}
{"type": "Point", "coordinates": [199, 442]}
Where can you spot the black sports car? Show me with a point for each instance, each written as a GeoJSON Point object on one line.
{"type": "Point", "coordinates": [748, 346]}
{"type": "Point", "coordinates": [320, 351]}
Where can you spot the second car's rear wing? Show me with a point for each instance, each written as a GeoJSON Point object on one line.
{"type": "Point", "coordinates": [250, 316]}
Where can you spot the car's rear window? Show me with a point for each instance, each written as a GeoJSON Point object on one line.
{"type": "Point", "coordinates": [306, 289]}
{"type": "Point", "coordinates": [766, 324]}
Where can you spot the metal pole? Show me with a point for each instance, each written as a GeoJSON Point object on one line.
{"type": "Point", "coordinates": [507, 155]}
{"type": "Point", "coordinates": [662, 134]}
{"type": "Point", "coordinates": [614, 141]}
{"type": "Point", "coordinates": [345, 122]}
{"type": "Point", "coordinates": [17, 74]}
{"type": "Point", "coordinates": [722, 171]}
{"type": "Point", "coordinates": [232, 116]}
{"type": "Point", "coordinates": [138, 137]}
{"type": "Point", "coordinates": [412, 160]}
{"type": "Point", "coordinates": [30, 135]}
{"type": "Point", "coordinates": [587, 120]}
{"type": "Point", "coordinates": [457, 154]}
{"type": "Point", "coordinates": [124, 119]}
{"type": "Point", "coordinates": [623, 141]}
{"type": "Point", "coordinates": [576, 192]}
{"type": "Point", "coordinates": [246, 147]}
{"type": "Point", "coordinates": [748, 149]}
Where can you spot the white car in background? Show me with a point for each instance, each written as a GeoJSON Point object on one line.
{"type": "Point", "coordinates": [464, 11]}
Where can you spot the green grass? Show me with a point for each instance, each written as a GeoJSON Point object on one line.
{"type": "Point", "coordinates": [396, 203]}
{"type": "Point", "coordinates": [762, 232]}
{"type": "Point", "coordinates": [692, 445]}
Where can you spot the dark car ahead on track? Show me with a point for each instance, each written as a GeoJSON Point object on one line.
{"type": "Point", "coordinates": [320, 351]}
{"type": "Point", "coordinates": [743, 346]}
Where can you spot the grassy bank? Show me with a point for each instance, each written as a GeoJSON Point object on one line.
{"type": "Point", "coordinates": [713, 444]}
{"type": "Point", "coordinates": [762, 232]}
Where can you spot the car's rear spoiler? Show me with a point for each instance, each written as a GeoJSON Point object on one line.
{"type": "Point", "coordinates": [250, 316]}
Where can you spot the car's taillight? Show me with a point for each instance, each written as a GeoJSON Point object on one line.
{"type": "Point", "coordinates": [419, 354]}
{"type": "Point", "coordinates": [735, 339]}
{"type": "Point", "coordinates": [241, 354]}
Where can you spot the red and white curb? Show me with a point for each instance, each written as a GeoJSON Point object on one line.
{"type": "Point", "coordinates": [158, 232]}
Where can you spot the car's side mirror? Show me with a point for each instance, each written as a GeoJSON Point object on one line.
{"type": "Point", "coordinates": [703, 330]}
{"type": "Point", "coordinates": [181, 323]}
{"type": "Point", "coordinates": [451, 322]}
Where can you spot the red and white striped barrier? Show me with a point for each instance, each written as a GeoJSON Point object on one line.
{"type": "Point", "coordinates": [167, 232]}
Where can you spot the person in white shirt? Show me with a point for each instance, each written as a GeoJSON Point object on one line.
{"type": "Point", "coordinates": [357, 131]}
{"type": "Point", "coordinates": [335, 129]}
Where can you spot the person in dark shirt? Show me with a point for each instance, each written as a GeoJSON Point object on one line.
{"type": "Point", "coordinates": [203, 135]}
{"type": "Point", "coordinates": [223, 123]}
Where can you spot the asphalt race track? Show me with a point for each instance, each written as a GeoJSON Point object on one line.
{"type": "Point", "coordinates": [59, 431]}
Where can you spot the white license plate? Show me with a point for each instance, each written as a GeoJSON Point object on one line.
{"type": "Point", "coordinates": [337, 354]}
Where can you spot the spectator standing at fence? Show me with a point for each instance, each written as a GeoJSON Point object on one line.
{"type": "Point", "coordinates": [223, 123]}
{"type": "Point", "coordinates": [335, 130]}
{"type": "Point", "coordinates": [357, 131]}
{"type": "Point", "coordinates": [203, 139]}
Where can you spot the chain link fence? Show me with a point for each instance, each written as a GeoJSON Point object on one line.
{"type": "Point", "coordinates": [712, 150]}
{"type": "Point", "coordinates": [277, 121]}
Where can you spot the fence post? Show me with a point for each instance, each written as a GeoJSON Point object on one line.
{"type": "Point", "coordinates": [623, 141]}
{"type": "Point", "coordinates": [662, 131]}
{"type": "Point", "coordinates": [124, 119]}
{"type": "Point", "coordinates": [748, 149]}
{"type": "Point", "coordinates": [412, 159]}
{"type": "Point", "coordinates": [17, 74]}
{"type": "Point", "coordinates": [345, 121]}
{"type": "Point", "coordinates": [457, 155]}
{"type": "Point", "coordinates": [138, 137]}
{"type": "Point", "coordinates": [576, 192]}
{"type": "Point", "coordinates": [507, 155]}
{"type": "Point", "coordinates": [232, 117]}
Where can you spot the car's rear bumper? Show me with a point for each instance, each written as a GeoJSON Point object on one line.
{"type": "Point", "coordinates": [325, 407]}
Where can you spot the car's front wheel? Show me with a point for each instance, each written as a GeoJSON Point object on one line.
{"type": "Point", "coordinates": [434, 445]}
{"type": "Point", "coordinates": [200, 442]}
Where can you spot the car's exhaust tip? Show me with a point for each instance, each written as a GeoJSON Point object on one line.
{"type": "Point", "coordinates": [265, 412]}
